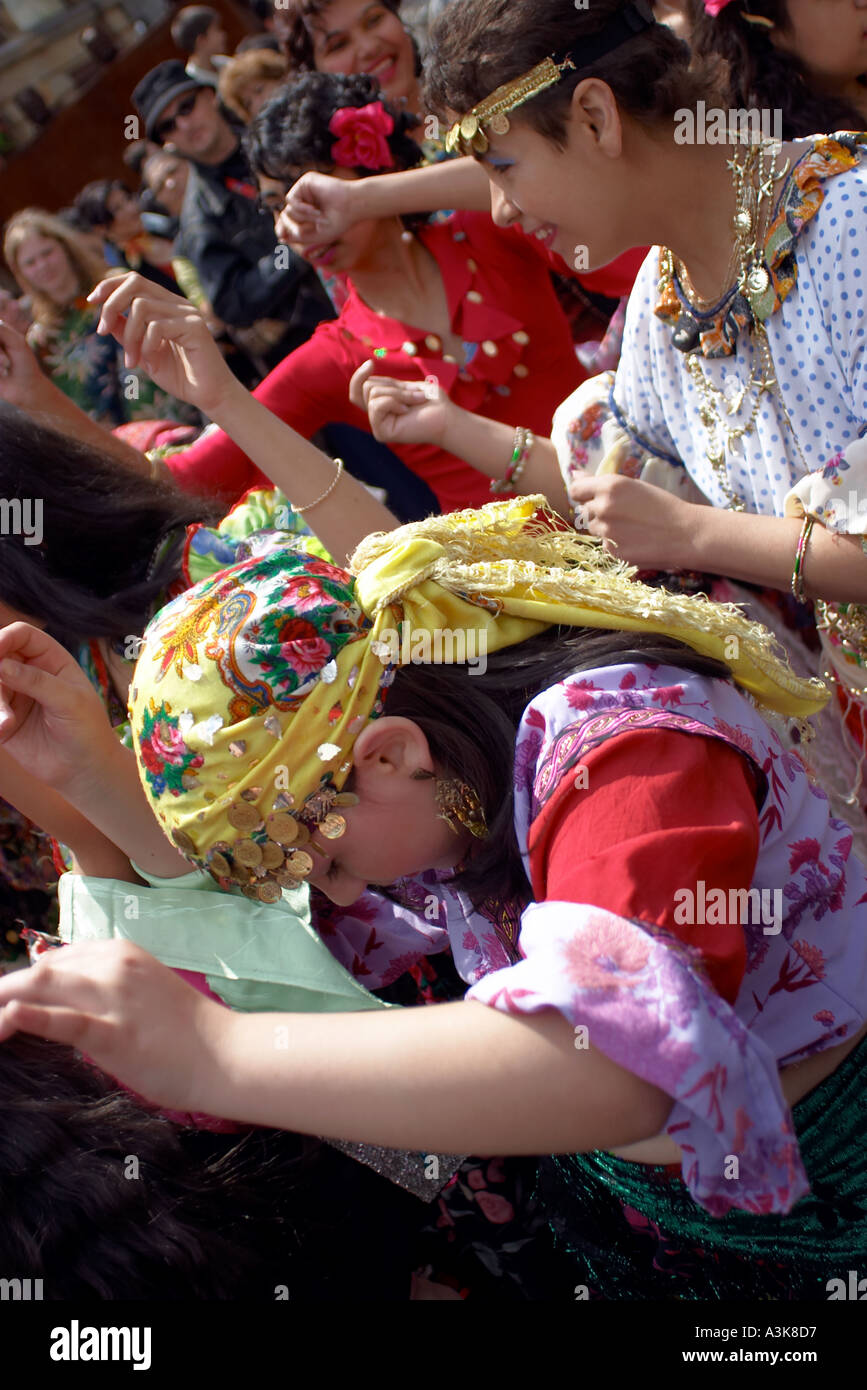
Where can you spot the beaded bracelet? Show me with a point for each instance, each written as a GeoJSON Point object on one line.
{"type": "Point", "coordinates": [331, 486]}
{"type": "Point", "coordinates": [523, 443]}
{"type": "Point", "coordinates": [798, 571]}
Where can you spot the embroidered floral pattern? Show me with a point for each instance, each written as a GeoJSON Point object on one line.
{"type": "Point", "coordinates": [644, 995]}
{"type": "Point", "coordinates": [168, 763]}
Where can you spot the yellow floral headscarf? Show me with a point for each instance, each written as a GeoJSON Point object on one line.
{"type": "Point", "coordinates": [253, 686]}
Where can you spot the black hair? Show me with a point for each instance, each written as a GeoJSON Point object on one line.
{"type": "Point", "coordinates": [73, 217]}
{"type": "Point", "coordinates": [93, 575]}
{"type": "Point", "coordinates": [291, 130]}
{"type": "Point", "coordinates": [470, 719]}
{"type": "Point", "coordinates": [190, 24]}
{"type": "Point", "coordinates": [92, 202]}
{"type": "Point", "coordinates": [103, 1198]}
{"type": "Point", "coordinates": [298, 26]}
{"type": "Point", "coordinates": [135, 154]}
{"type": "Point", "coordinates": [253, 42]}
{"type": "Point", "coordinates": [762, 76]}
{"type": "Point", "coordinates": [478, 45]}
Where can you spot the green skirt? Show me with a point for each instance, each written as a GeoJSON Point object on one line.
{"type": "Point", "coordinates": [634, 1231]}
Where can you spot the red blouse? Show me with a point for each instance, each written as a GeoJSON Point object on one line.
{"type": "Point", "coordinates": [520, 360]}
{"type": "Point", "coordinates": [660, 811]}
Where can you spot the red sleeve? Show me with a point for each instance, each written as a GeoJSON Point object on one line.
{"type": "Point", "coordinates": [308, 389]}
{"type": "Point", "coordinates": [660, 811]}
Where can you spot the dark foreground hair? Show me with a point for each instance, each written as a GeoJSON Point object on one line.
{"type": "Point", "coordinates": [477, 45]}
{"type": "Point", "coordinates": [102, 1199]}
{"type": "Point", "coordinates": [292, 128]}
{"type": "Point", "coordinates": [94, 574]}
{"type": "Point", "coordinates": [471, 721]}
{"type": "Point", "coordinates": [762, 76]}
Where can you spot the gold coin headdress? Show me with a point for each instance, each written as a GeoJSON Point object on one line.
{"type": "Point", "coordinates": [253, 687]}
{"type": "Point", "coordinates": [467, 135]}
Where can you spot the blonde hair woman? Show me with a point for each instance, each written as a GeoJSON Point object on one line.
{"type": "Point", "coordinates": [58, 267]}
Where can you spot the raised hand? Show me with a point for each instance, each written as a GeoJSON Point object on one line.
{"type": "Point", "coordinates": [167, 337]}
{"type": "Point", "coordinates": [22, 380]}
{"type": "Point", "coordinates": [318, 209]}
{"type": "Point", "coordinates": [646, 525]}
{"type": "Point", "coordinates": [401, 412]}
{"type": "Point", "coordinates": [52, 721]}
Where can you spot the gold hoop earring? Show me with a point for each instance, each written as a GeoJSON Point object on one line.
{"type": "Point", "coordinates": [759, 20]}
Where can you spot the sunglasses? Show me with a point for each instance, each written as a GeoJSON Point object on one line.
{"type": "Point", "coordinates": [165, 128]}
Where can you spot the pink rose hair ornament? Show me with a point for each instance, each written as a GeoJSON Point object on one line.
{"type": "Point", "coordinates": [715, 7]}
{"type": "Point", "coordinates": [362, 133]}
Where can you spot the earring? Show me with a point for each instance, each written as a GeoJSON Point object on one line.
{"type": "Point", "coordinates": [457, 803]}
{"type": "Point", "coordinates": [758, 19]}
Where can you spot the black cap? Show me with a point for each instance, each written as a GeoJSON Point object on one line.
{"type": "Point", "coordinates": [158, 88]}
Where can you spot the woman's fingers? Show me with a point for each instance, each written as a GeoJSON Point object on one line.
{"type": "Point", "coordinates": [361, 375]}
{"type": "Point", "coordinates": [583, 487]}
{"type": "Point", "coordinates": [25, 643]}
{"type": "Point", "coordinates": [117, 297]}
{"type": "Point", "coordinates": [59, 1025]}
{"type": "Point", "coordinates": [159, 323]}
{"type": "Point", "coordinates": [25, 686]}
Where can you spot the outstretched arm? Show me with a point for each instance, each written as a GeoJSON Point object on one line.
{"type": "Point", "coordinates": [650, 528]}
{"type": "Point", "coordinates": [461, 1078]}
{"type": "Point", "coordinates": [169, 339]}
{"type": "Point", "coordinates": [321, 208]}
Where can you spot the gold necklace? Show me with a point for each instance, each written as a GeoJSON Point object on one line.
{"type": "Point", "coordinates": [753, 178]}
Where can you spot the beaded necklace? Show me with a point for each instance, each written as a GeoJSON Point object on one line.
{"type": "Point", "coordinates": [753, 179]}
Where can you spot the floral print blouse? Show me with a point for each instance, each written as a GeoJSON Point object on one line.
{"type": "Point", "coordinates": [89, 369]}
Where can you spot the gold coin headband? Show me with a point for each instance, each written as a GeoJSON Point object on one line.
{"type": "Point", "coordinates": [467, 135]}
{"type": "Point", "coordinates": [252, 687]}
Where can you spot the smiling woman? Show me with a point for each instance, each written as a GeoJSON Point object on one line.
{"type": "Point", "coordinates": [353, 36]}
{"type": "Point", "coordinates": [57, 268]}
{"type": "Point", "coordinates": [456, 303]}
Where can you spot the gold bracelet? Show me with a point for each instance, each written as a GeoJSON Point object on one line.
{"type": "Point", "coordinates": [331, 486]}
{"type": "Point", "coordinates": [800, 555]}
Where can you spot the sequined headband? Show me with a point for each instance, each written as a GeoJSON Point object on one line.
{"type": "Point", "coordinates": [467, 135]}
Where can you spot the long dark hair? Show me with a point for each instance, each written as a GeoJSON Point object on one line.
{"type": "Point", "coordinates": [104, 1199]}
{"type": "Point", "coordinates": [95, 573]}
{"type": "Point", "coordinates": [762, 76]}
{"type": "Point", "coordinates": [470, 720]}
{"type": "Point", "coordinates": [478, 45]}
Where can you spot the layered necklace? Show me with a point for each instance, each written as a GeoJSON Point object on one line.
{"type": "Point", "coordinates": [753, 179]}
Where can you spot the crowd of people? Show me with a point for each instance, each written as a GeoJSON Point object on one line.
{"type": "Point", "coordinates": [532, 965]}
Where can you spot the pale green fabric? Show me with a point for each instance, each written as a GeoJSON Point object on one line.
{"type": "Point", "coordinates": [255, 956]}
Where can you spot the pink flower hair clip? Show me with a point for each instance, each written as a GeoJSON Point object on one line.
{"type": "Point", "coordinates": [362, 133]}
{"type": "Point", "coordinates": [715, 7]}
